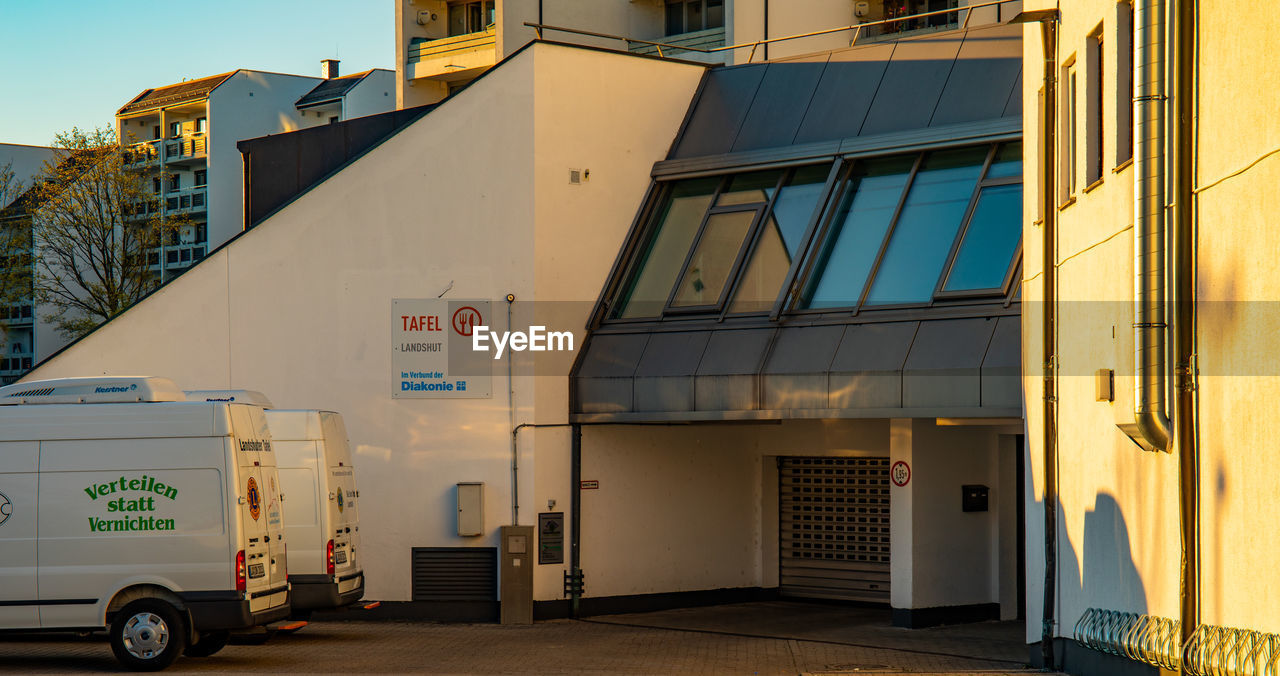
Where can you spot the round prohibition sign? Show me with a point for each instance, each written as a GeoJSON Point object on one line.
{"type": "Point", "coordinates": [900, 473]}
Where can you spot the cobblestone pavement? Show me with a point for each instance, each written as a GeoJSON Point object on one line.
{"type": "Point", "coordinates": [616, 645]}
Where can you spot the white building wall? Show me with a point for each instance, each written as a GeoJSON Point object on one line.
{"type": "Point", "coordinates": [1117, 508]}
{"type": "Point", "coordinates": [300, 307]}
{"type": "Point", "coordinates": [247, 105]}
{"type": "Point", "coordinates": [24, 161]}
{"type": "Point", "coordinates": [375, 93]}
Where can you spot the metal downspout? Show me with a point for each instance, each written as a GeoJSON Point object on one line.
{"type": "Point", "coordinates": [1149, 269]}
{"type": "Point", "coordinates": [575, 517]}
{"type": "Point", "coordinates": [1048, 31]}
{"type": "Point", "coordinates": [1184, 34]}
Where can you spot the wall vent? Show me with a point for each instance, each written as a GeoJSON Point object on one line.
{"type": "Point", "coordinates": [455, 573]}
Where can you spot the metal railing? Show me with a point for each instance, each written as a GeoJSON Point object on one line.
{"type": "Point", "coordinates": [710, 38]}
{"type": "Point", "coordinates": [186, 147]}
{"type": "Point", "coordinates": [1210, 651]}
{"type": "Point", "coordinates": [754, 45]}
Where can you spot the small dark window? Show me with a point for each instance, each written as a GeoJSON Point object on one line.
{"type": "Point", "coordinates": [202, 177]}
{"type": "Point", "coordinates": [155, 131]}
{"type": "Point", "coordinates": [687, 16]}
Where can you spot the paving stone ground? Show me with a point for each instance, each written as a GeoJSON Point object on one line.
{"type": "Point", "coordinates": [720, 640]}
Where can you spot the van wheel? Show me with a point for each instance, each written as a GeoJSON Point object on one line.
{"type": "Point", "coordinates": [210, 642]}
{"type": "Point", "coordinates": [147, 635]}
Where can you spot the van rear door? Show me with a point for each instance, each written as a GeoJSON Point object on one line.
{"type": "Point", "coordinates": [262, 542]}
{"type": "Point", "coordinates": [344, 506]}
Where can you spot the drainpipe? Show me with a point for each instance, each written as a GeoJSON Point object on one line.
{"type": "Point", "coordinates": [575, 517]}
{"type": "Point", "coordinates": [1049, 35]}
{"type": "Point", "coordinates": [1149, 269]}
{"type": "Point", "coordinates": [1184, 32]}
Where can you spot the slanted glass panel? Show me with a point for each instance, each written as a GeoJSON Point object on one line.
{"type": "Point", "coordinates": [990, 242]}
{"type": "Point", "coordinates": [712, 261]}
{"type": "Point", "coordinates": [660, 265]}
{"type": "Point", "coordinates": [780, 240]}
{"type": "Point", "coordinates": [857, 230]}
{"type": "Point", "coordinates": [750, 188]}
{"type": "Point", "coordinates": [1007, 162]}
{"type": "Point", "coordinates": [925, 231]}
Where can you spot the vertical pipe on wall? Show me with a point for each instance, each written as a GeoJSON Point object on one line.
{"type": "Point", "coordinates": [1049, 35]}
{"type": "Point", "coordinates": [575, 515]}
{"type": "Point", "coordinates": [1184, 36]}
{"type": "Point", "coordinates": [1149, 268]}
{"type": "Point", "coordinates": [511, 418]}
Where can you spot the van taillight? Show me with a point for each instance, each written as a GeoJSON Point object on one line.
{"type": "Point", "coordinates": [328, 557]}
{"type": "Point", "coordinates": [242, 582]}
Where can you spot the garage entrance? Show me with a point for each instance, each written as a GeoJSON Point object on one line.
{"type": "Point", "coordinates": [834, 528]}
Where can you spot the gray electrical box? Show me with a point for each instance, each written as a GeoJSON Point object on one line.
{"type": "Point", "coordinates": [515, 574]}
{"type": "Point", "coordinates": [471, 509]}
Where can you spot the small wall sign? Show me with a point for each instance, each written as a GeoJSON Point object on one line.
{"type": "Point", "coordinates": [900, 474]}
{"type": "Point", "coordinates": [588, 484]}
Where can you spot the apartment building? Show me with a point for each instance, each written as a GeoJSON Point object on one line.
{"type": "Point", "coordinates": [567, 188]}
{"type": "Point", "coordinates": [1151, 336]}
{"type": "Point", "coordinates": [184, 135]}
{"type": "Point", "coordinates": [444, 44]}
{"type": "Point", "coordinates": [17, 316]}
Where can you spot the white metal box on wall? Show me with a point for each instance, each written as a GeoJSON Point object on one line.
{"type": "Point", "coordinates": [471, 509]}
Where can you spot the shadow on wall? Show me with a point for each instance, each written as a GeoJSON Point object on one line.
{"type": "Point", "coordinates": [1104, 576]}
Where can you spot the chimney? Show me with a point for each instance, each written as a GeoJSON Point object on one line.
{"type": "Point", "coordinates": [329, 68]}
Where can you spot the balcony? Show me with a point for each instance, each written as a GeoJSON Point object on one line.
{"type": "Point", "coordinates": [186, 149]}
{"type": "Point", "coordinates": [710, 38]}
{"type": "Point", "coordinates": [22, 314]}
{"type": "Point", "coordinates": [187, 202]}
{"type": "Point", "coordinates": [176, 257]}
{"type": "Point", "coordinates": [459, 57]}
{"type": "Point", "coordinates": [15, 364]}
{"type": "Point", "coordinates": [142, 154]}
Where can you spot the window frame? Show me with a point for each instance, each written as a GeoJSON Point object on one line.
{"type": "Point", "coordinates": [821, 222]}
{"type": "Point", "coordinates": [748, 244]}
{"type": "Point", "coordinates": [983, 182]}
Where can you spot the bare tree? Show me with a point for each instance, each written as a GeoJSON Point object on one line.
{"type": "Point", "coordinates": [94, 220]}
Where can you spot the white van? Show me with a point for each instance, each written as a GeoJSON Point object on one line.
{"type": "Point", "coordinates": [321, 520]}
{"type": "Point", "coordinates": [123, 506]}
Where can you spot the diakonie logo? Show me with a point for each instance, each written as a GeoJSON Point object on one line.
{"type": "Point", "coordinates": [536, 339]}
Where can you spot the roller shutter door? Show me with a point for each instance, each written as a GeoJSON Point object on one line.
{"type": "Point", "coordinates": [834, 528]}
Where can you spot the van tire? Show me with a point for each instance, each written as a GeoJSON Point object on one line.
{"type": "Point", "coordinates": [148, 635]}
{"type": "Point", "coordinates": [208, 643]}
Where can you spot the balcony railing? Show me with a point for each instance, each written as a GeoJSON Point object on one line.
{"type": "Point", "coordinates": [421, 49]}
{"type": "Point", "coordinates": [692, 42]}
{"type": "Point", "coordinates": [176, 256]}
{"type": "Point", "coordinates": [190, 201]}
{"type": "Point", "coordinates": [14, 363]}
{"type": "Point", "coordinates": [186, 202]}
{"type": "Point", "coordinates": [194, 146]}
{"type": "Point", "coordinates": [142, 153]}
{"type": "Point", "coordinates": [858, 31]}
{"type": "Point", "coordinates": [12, 315]}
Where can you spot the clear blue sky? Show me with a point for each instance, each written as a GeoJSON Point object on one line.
{"type": "Point", "coordinates": [67, 64]}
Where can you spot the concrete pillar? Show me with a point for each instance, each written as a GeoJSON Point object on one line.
{"type": "Point", "coordinates": [901, 528]}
